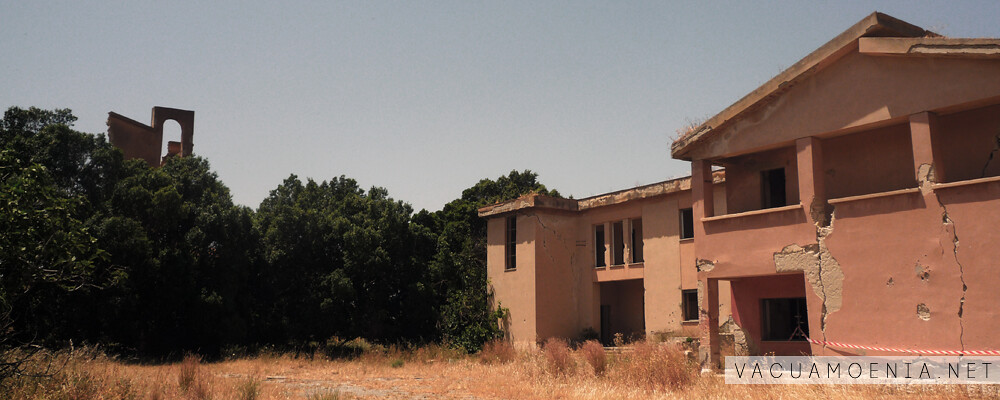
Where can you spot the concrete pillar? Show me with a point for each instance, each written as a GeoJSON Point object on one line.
{"type": "Point", "coordinates": [812, 188]}
{"type": "Point", "coordinates": [627, 240]}
{"type": "Point", "coordinates": [703, 195]}
{"type": "Point", "coordinates": [924, 152]}
{"type": "Point", "coordinates": [608, 246]}
{"type": "Point", "coordinates": [709, 323]}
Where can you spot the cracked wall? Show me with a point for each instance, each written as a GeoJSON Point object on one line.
{"type": "Point", "coordinates": [820, 268]}
{"type": "Point", "coordinates": [967, 144]}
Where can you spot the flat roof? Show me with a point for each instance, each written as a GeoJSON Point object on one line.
{"type": "Point", "coordinates": [538, 201]}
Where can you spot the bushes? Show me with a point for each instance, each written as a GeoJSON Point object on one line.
{"type": "Point", "coordinates": [497, 352]}
{"type": "Point", "coordinates": [593, 353]}
{"type": "Point", "coordinates": [558, 356]}
{"type": "Point", "coordinates": [646, 365]}
{"type": "Point", "coordinates": [657, 366]}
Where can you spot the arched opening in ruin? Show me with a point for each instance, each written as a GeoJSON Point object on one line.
{"type": "Point", "coordinates": [171, 133]}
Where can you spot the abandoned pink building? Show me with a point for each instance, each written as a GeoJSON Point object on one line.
{"type": "Point", "coordinates": [138, 140]}
{"type": "Point", "coordinates": [863, 198]}
{"type": "Point", "coordinates": [860, 206]}
{"type": "Point", "coordinates": [618, 263]}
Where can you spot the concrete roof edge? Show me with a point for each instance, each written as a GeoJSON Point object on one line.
{"type": "Point", "coordinates": [538, 201]}
{"type": "Point", "coordinates": [875, 24]}
{"type": "Point", "coordinates": [117, 116]}
{"type": "Point", "coordinates": [531, 200]}
{"type": "Point", "coordinates": [930, 47]}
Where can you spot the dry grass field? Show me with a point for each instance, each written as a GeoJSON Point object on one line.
{"type": "Point", "coordinates": [499, 372]}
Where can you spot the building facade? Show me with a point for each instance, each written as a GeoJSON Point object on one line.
{"type": "Point", "coordinates": [863, 199]}
{"type": "Point", "coordinates": [618, 263]}
{"type": "Point", "coordinates": [859, 212]}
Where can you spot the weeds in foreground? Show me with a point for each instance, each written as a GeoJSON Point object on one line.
{"type": "Point", "coordinates": [332, 395]}
{"type": "Point", "coordinates": [248, 388]}
{"type": "Point", "coordinates": [554, 371]}
{"type": "Point", "coordinates": [557, 354]}
{"type": "Point", "coordinates": [593, 352]}
{"type": "Point", "coordinates": [497, 352]}
{"type": "Point", "coordinates": [188, 372]}
{"type": "Point", "coordinates": [657, 366]}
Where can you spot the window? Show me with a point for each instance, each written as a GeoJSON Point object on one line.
{"type": "Point", "coordinates": [599, 248]}
{"type": "Point", "coordinates": [636, 225]}
{"type": "Point", "coordinates": [784, 319]}
{"type": "Point", "coordinates": [687, 223]}
{"type": "Point", "coordinates": [510, 247]}
{"type": "Point", "coordinates": [689, 304]}
{"type": "Point", "coordinates": [618, 243]}
{"type": "Point", "coordinates": [772, 188]}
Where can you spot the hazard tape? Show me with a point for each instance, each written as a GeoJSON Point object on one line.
{"type": "Point", "coordinates": [897, 350]}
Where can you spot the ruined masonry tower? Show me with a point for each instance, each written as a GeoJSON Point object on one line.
{"type": "Point", "coordinates": [138, 140]}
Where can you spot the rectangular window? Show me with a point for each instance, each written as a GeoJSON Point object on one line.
{"type": "Point", "coordinates": [772, 188]}
{"type": "Point", "coordinates": [784, 319]}
{"type": "Point", "coordinates": [636, 240]}
{"type": "Point", "coordinates": [599, 248]}
{"type": "Point", "coordinates": [689, 304]}
{"type": "Point", "coordinates": [687, 223]}
{"type": "Point", "coordinates": [618, 243]}
{"type": "Point", "coordinates": [510, 247]}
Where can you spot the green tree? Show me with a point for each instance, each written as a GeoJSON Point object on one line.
{"type": "Point", "coordinates": [178, 258]}
{"type": "Point", "coordinates": [44, 249]}
{"type": "Point", "coordinates": [341, 261]}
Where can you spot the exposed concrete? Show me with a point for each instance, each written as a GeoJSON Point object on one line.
{"type": "Point", "coordinates": [923, 272]}
{"type": "Point", "coordinates": [923, 312]}
{"type": "Point", "coordinates": [925, 176]}
{"type": "Point", "coordinates": [820, 268]}
{"type": "Point", "coordinates": [742, 345]}
{"type": "Point", "coordinates": [930, 47]}
{"type": "Point", "coordinates": [704, 265]}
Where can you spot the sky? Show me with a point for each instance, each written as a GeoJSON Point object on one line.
{"type": "Point", "coordinates": [426, 98]}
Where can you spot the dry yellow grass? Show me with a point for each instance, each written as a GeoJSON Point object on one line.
{"type": "Point", "coordinates": [424, 373]}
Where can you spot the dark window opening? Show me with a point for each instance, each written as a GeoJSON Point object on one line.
{"type": "Point", "coordinates": [636, 240]}
{"type": "Point", "coordinates": [618, 243]}
{"type": "Point", "coordinates": [511, 243]}
{"type": "Point", "coordinates": [772, 185]}
{"type": "Point", "coordinates": [599, 248]}
{"type": "Point", "coordinates": [687, 223]}
{"type": "Point", "coordinates": [784, 319]}
{"type": "Point", "coordinates": [689, 304]}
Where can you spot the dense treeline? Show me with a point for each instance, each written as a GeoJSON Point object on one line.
{"type": "Point", "coordinates": [155, 262]}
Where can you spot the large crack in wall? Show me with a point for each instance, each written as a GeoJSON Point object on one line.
{"type": "Point", "coordinates": [925, 177]}
{"type": "Point", "coordinates": [819, 266]}
{"type": "Point", "coordinates": [996, 149]}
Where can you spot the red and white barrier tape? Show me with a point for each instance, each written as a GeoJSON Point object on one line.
{"type": "Point", "coordinates": [897, 350]}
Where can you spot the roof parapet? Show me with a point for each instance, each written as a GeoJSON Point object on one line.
{"type": "Point", "coordinates": [538, 201]}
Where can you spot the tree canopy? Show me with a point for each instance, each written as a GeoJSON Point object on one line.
{"type": "Point", "coordinates": [154, 262]}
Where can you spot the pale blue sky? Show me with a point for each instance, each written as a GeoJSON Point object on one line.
{"type": "Point", "coordinates": [426, 98]}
